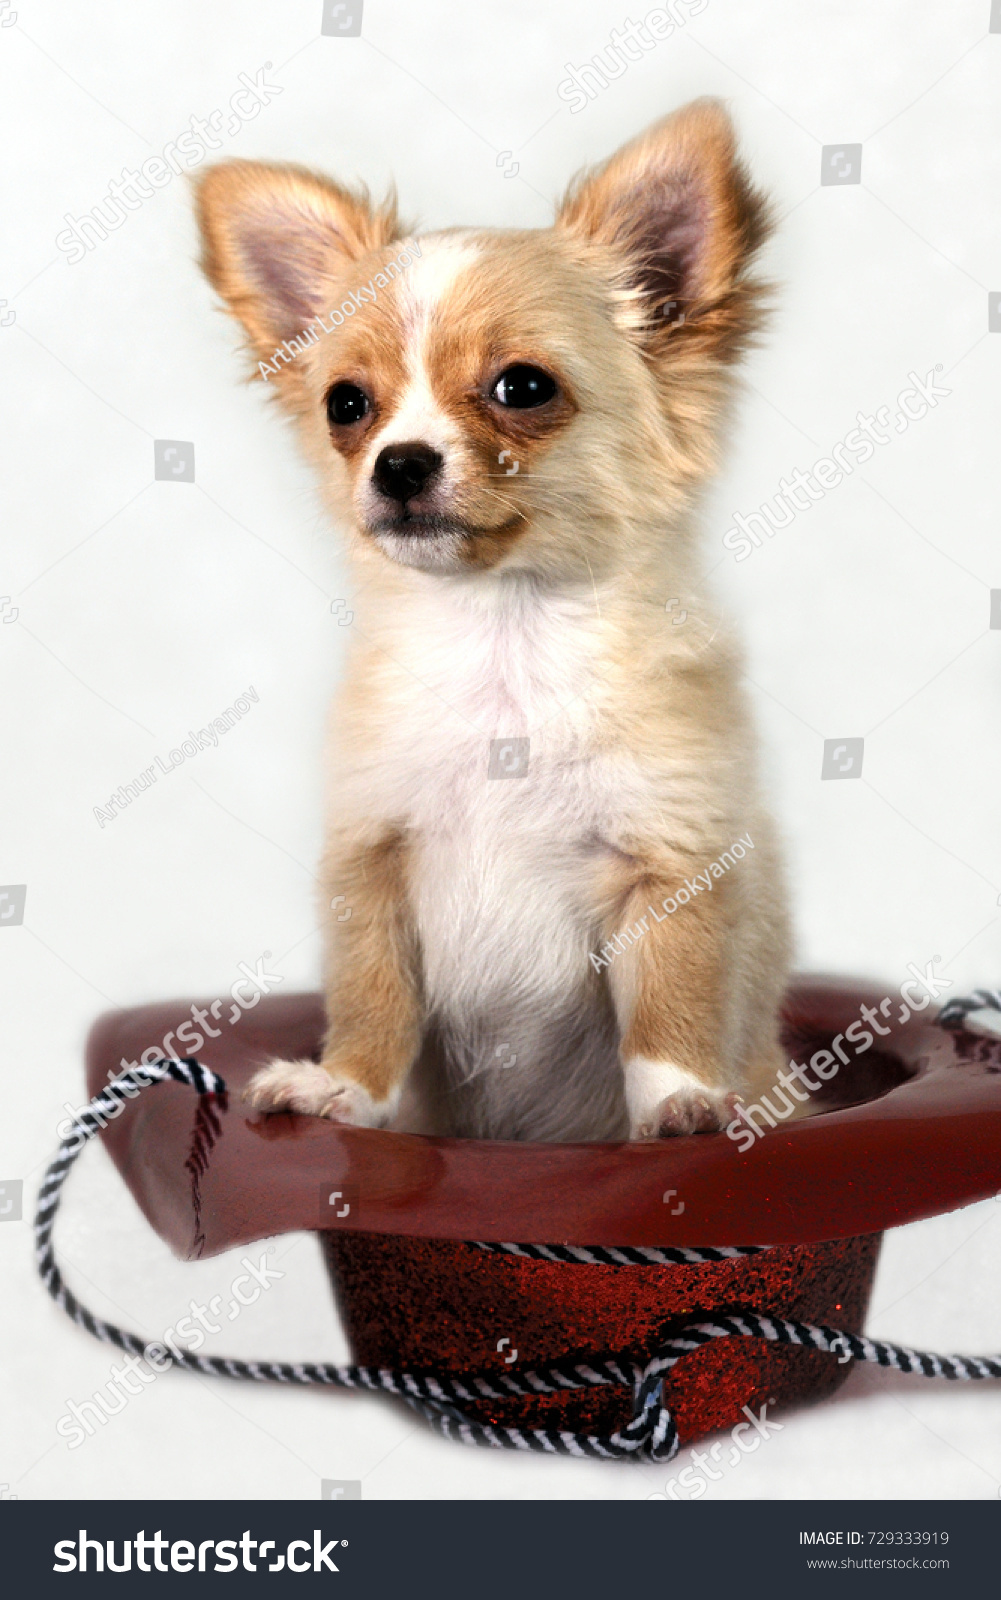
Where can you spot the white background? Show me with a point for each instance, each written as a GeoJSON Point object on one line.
{"type": "Point", "coordinates": [144, 608]}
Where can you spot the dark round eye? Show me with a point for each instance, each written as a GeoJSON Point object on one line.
{"type": "Point", "coordinates": [346, 403]}
{"type": "Point", "coordinates": [523, 386]}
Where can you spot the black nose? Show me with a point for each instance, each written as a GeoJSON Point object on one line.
{"type": "Point", "coordinates": [402, 470]}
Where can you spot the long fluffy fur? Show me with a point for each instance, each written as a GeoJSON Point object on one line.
{"type": "Point", "coordinates": [461, 996]}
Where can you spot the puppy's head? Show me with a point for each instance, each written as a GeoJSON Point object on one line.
{"type": "Point", "coordinates": [486, 399]}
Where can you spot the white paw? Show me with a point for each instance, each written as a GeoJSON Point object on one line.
{"type": "Point", "coordinates": [665, 1100]}
{"type": "Point", "coordinates": [305, 1087]}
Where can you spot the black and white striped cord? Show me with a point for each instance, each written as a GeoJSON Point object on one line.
{"type": "Point", "coordinates": [650, 1434]}
{"type": "Point", "coordinates": [624, 1255]}
{"type": "Point", "coordinates": [954, 1013]}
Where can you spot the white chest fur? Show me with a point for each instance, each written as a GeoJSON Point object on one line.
{"type": "Point", "coordinates": [502, 865]}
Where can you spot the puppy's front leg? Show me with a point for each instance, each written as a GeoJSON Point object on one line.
{"type": "Point", "coordinates": [669, 985]}
{"type": "Point", "coordinates": [373, 996]}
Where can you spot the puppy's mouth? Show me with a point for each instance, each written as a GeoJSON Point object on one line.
{"type": "Point", "coordinates": [431, 541]}
{"type": "Point", "coordinates": [426, 540]}
{"type": "Point", "coordinates": [421, 525]}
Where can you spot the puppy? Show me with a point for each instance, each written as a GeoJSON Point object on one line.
{"type": "Point", "coordinates": [541, 745]}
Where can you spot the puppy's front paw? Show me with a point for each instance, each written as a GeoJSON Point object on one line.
{"type": "Point", "coordinates": [310, 1089]}
{"type": "Point", "coordinates": [665, 1101]}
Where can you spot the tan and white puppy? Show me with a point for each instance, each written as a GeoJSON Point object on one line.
{"type": "Point", "coordinates": [516, 427]}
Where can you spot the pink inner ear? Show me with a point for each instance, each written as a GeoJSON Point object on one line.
{"type": "Point", "coordinates": [663, 227]}
{"type": "Point", "coordinates": [286, 258]}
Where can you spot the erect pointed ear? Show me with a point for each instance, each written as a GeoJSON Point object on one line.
{"type": "Point", "coordinates": [683, 222]}
{"type": "Point", "coordinates": [273, 236]}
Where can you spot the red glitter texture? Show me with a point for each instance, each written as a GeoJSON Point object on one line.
{"type": "Point", "coordinates": [463, 1301]}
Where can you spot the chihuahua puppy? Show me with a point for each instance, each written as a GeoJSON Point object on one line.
{"type": "Point", "coordinates": [541, 743]}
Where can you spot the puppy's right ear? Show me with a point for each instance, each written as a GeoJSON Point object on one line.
{"type": "Point", "coordinates": [273, 237]}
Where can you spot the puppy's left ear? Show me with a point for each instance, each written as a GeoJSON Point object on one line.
{"type": "Point", "coordinates": [681, 222]}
